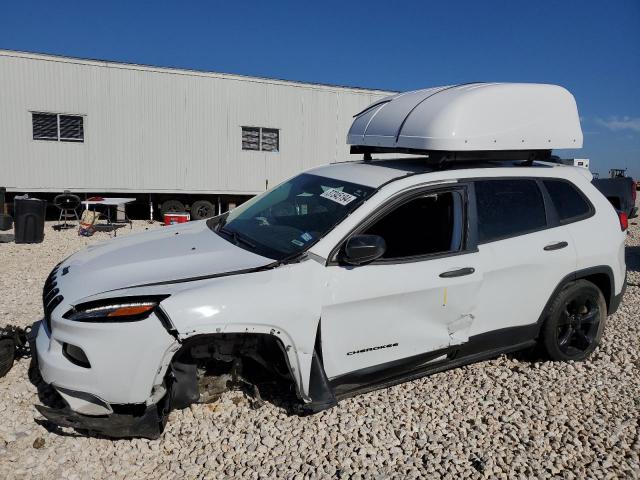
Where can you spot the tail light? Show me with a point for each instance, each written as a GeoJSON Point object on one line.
{"type": "Point", "coordinates": [624, 220]}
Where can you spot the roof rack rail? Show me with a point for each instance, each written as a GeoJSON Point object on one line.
{"type": "Point", "coordinates": [440, 157]}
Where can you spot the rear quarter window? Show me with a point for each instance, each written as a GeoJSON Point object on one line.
{"type": "Point", "coordinates": [508, 207]}
{"type": "Point", "coordinates": [569, 202]}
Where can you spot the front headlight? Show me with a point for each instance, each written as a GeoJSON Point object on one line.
{"type": "Point", "coordinates": [129, 309]}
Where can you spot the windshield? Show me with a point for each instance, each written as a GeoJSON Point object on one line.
{"type": "Point", "coordinates": [293, 216]}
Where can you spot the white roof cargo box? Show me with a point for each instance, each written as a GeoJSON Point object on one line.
{"type": "Point", "coordinates": [470, 117]}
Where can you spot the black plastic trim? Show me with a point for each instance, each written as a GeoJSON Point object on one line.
{"type": "Point", "coordinates": [556, 246]}
{"type": "Point", "coordinates": [482, 346]}
{"type": "Point", "coordinates": [148, 425]}
{"type": "Point", "coordinates": [76, 361]}
{"type": "Point", "coordinates": [550, 211]}
{"type": "Point", "coordinates": [320, 391]}
{"type": "Point", "coordinates": [461, 272]}
{"type": "Point", "coordinates": [166, 322]}
{"type": "Point", "coordinates": [472, 218]}
{"type": "Point", "coordinates": [601, 269]}
{"type": "Point", "coordinates": [445, 157]}
{"type": "Point", "coordinates": [616, 300]}
{"type": "Point", "coordinates": [580, 274]}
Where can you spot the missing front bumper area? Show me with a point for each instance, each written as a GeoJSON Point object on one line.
{"type": "Point", "coordinates": [148, 424]}
{"type": "Point", "coordinates": [122, 421]}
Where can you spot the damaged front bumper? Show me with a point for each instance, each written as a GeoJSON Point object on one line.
{"type": "Point", "coordinates": [149, 423]}
{"type": "Point", "coordinates": [88, 412]}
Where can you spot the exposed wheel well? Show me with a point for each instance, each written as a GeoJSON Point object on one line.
{"type": "Point", "coordinates": [208, 365]}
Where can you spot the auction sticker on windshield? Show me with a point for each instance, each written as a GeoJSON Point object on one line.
{"type": "Point", "coordinates": [337, 196]}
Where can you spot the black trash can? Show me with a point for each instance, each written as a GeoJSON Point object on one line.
{"type": "Point", "coordinates": [6, 222]}
{"type": "Point", "coordinates": [28, 219]}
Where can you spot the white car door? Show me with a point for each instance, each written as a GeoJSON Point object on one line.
{"type": "Point", "coordinates": [524, 255]}
{"type": "Point", "coordinates": [401, 311]}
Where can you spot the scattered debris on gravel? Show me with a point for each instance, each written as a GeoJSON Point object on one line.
{"type": "Point", "coordinates": [508, 417]}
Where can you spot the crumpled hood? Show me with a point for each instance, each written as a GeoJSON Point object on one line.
{"type": "Point", "coordinates": [160, 255]}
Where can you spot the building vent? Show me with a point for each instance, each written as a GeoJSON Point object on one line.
{"type": "Point", "coordinates": [71, 128]}
{"type": "Point", "coordinates": [270, 140]}
{"type": "Point", "coordinates": [250, 138]}
{"type": "Point", "coordinates": [259, 138]}
{"type": "Point", "coordinates": [57, 127]}
{"type": "Point", "coordinates": [45, 126]}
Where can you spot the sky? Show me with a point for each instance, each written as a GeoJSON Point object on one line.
{"type": "Point", "coordinates": [590, 47]}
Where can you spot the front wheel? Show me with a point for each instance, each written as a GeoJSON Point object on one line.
{"type": "Point", "coordinates": [575, 322]}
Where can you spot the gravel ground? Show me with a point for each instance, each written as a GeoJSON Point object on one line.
{"type": "Point", "coordinates": [505, 418]}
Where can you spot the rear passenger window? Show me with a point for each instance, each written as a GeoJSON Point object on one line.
{"type": "Point", "coordinates": [569, 202]}
{"type": "Point", "coordinates": [427, 225]}
{"type": "Point", "coordinates": [507, 208]}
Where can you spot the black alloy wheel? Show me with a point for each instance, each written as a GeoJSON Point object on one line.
{"type": "Point", "coordinates": [577, 327]}
{"type": "Point", "coordinates": [575, 322]}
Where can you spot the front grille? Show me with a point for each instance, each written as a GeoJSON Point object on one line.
{"type": "Point", "coordinates": [50, 296]}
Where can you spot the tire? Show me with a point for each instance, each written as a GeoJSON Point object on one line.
{"type": "Point", "coordinates": [172, 206]}
{"type": "Point", "coordinates": [202, 209]}
{"type": "Point", "coordinates": [575, 322]}
{"type": "Point", "coordinates": [7, 354]}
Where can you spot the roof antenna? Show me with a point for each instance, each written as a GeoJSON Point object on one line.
{"type": "Point", "coordinates": [366, 156]}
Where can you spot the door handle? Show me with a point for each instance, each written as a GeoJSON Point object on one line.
{"type": "Point", "coordinates": [555, 246]}
{"type": "Point", "coordinates": [461, 272]}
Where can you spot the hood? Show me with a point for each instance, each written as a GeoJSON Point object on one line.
{"type": "Point", "coordinates": [163, 255]}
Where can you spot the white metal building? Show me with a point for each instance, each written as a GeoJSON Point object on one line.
{"type": "Point", "coordinates": [102, 127]}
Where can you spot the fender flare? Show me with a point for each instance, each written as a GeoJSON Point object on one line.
{"type": "Point", "coordinates": [611, 298]}
{"type": "Point", "coordinates": [320, 392]}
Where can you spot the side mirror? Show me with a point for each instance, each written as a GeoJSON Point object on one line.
{"type": "Point", "coordinates": [361, 249]}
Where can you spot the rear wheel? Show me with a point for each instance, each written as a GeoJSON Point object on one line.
{"type": "Point", "coordinates": [7, 353]}
{"type": "Point", "coordinates": [172, 206]}
{"type": "Point", "coordinates": [202, 209]}
{"type": "Point", "coordinates": [575, 323]}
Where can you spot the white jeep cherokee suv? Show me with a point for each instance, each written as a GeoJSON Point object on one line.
{"type": "Point", "coordinates": [351, 276]}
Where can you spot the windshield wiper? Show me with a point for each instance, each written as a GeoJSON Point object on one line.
{"type": "Point", "coordinates": [237, 237]}
{"type": "Point", "coordinates": [222, 222]}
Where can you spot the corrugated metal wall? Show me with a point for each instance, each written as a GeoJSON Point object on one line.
{"type": "Point", "coordinates": [160, 130]}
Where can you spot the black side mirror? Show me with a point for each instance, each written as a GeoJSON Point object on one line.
{"type": "Point", "coordinates": [361, 249]}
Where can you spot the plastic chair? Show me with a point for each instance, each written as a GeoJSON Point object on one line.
{"type": "Point", "coordinates": [68, 204]}
{"type": "Point", "coordinates": [88, 223]}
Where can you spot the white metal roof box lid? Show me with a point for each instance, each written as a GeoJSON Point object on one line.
{"type": "Point", "coordinates": [472, 117]}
